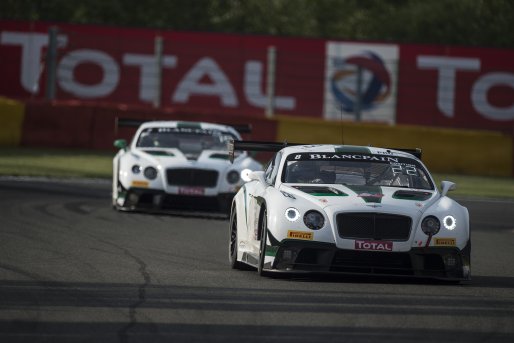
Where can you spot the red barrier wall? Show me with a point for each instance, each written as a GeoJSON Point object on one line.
{"type": "Point", "coordinates": [72, 125]}
{"type": "Point", "coordinates": [442, 86]}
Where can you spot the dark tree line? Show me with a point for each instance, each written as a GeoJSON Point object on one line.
{"type": "Point", "coordinates": [462, 22]}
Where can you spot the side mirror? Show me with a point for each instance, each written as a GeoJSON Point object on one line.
{"type": "Point", "coordinates": [447, 186]}
{"type": "Point", "coordinates": [257, 176]}
{"type": "Point", "coordinates": [120, 143]}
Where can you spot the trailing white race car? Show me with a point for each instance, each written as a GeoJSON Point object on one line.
{"type": "Point", "coordinates": [347, 209]}
{"type": "Point", "coordinates": [178, 165]}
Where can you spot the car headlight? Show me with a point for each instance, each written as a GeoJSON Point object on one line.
{"type": "Point", "coordinates": [314, 220]}
{"type": "Point", "coordinates": [233, 176]}
{"type": "Point", "coordinates": [450, 222]}
{"type": "Point", "coordinates": [430, 225]}
{"type": "Point", "coordinates": [245, 175]}
{"type": "Point", "coordinates": [136, 169]}
{"type": "Point", "coordinates": [292, 214]}
{"type": "Point", "coordinates": [150, 173]}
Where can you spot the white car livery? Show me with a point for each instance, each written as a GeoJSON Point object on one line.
{"type": "Point", "coordinates": [178, 165]}
{"type": "Point", "coordinates": [347, 209]}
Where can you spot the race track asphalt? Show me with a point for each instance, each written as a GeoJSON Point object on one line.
{"type": "Point", "coordinates": [74, 270]}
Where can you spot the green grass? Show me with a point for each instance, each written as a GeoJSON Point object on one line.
{"type": "Point", "coordinates": [55, 163]}
{"type": "Point", "coordinates": [479, 186]}
{"type": "Point", "coordinates": [65, 163]}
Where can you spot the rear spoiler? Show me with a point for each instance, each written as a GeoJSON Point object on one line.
{"type": "Point", "coordinates": [241, 128]}
{"type": "Point", "coordinates": [236, 145]}
{"type": "Point", "coordinates": [128, 122]}
{"type": "Point", "coordinates": [416, 152]}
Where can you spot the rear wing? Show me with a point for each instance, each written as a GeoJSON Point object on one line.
{"type": "Point", "coordinates": [416, 152]}
{"type": "Point", "coordinates": [129, 122]}
{"type": "Point", "coordinates": [236, 145]}
{"type": "Point", "coordinates": [241, 128]}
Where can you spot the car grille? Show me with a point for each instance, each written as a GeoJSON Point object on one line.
{"type": "Point", "coordinates": [192, 177]}
{"type": "Point", "coordinates": [378, 226]}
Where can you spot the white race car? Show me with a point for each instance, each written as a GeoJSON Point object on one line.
{"type": "Point", "coordinates": [347, 209]}
{"type": "Point", "coordinates": [178, 165]}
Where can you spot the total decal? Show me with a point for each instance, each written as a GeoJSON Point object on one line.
{"type": "Point", "coordinates": [374, 245]}
{"type": "Point", "coordinates": [360, 81]}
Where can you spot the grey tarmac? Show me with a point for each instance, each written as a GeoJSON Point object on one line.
{"type": "Point", "coordinates": [74, 270]}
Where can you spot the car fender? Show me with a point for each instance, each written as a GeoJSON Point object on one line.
{"type": "Point", "coordinates": [458, 232]}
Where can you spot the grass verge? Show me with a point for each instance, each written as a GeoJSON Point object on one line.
{"type": "Point", "coordinates": [55, 163]}
{"type": "Point", "coordinates": [63, 163]}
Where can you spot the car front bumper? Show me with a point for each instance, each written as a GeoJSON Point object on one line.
{"type": "Point", "coordinates": [150, 199]}
{"type": "Point", "coordinates": [432, 262]}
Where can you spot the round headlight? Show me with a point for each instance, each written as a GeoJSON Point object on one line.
{"type": "Point", "coordinates": [292, 214]}
{"type": "Point", "coordinates": [150, 173]}
{"type": "Point", "coordinates": [430, 225]}
{"type": "Point", "coordinates": [245, 175]}
{"type": "Point", "coordinates": [313, 220]}
{"type": "Point", "coordinates": [449, 222]}
{"type": "Point", "coordinates": [233, 176]}
{"type": "Point", "coordinates": [136, 169]}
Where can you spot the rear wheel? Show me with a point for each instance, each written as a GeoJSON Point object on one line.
{"type": "Point", "coordinates": [233, 243]}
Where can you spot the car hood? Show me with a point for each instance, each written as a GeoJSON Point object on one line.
{"type": "Point", "coordinates": [363, 198]}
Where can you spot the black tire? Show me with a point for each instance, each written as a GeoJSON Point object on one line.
{"type": "Point", "coordinates": [232, 243]}
{"type": "Point", "coordinates": [264, 236]}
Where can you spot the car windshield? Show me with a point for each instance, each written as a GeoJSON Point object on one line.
{"type": "Point", "coordinates": [356, 169]}
{"type": "Point", "coordinates": [191, 141]}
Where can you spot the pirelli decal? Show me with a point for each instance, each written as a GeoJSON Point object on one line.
{"type": "Point", "coordinates": [308, 236]}
{"type": "Point", "coordinates": [445, 242]}
{"type": "Point", "coordinates": [142, 184]}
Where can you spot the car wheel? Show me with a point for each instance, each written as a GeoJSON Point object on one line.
{"type": "Point", "coordinates": [264, 236]}
{"type": "Point", "coordinates": [232, 245]}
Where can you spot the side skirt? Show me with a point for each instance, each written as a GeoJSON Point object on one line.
{"type": "Point", "coordinates": [250, 259]}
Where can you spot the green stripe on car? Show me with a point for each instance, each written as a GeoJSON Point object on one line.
{"type": "Point", "coordinates": [350, 149]}
{"type": "Point", "coordinates": [188, 125]}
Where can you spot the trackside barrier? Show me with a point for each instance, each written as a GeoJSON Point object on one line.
{"type": "Point", "coordinates": [11, 120]}
{"type": "Point", "coordinates": [75, 125]}
{"type": "Point", "coordinates": [468, 152]}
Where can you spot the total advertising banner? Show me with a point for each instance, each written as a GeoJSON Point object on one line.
{"type": "Point", "coordinates": [205, 72]}
{"type": "Point", "coordinates": [456, 87]}
{"type": "Point", "coordinates": [372, 68]}
{"type": "Point", "coordinates": [211, 73]}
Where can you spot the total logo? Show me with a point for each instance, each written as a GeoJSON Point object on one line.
{"type": "Point", "coordinates": [374, 245]}
{"type": "Point", "coordinates": [375, 80]}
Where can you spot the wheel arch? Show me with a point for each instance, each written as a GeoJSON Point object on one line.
{"type": "Point", "coordinates": [263, 206]}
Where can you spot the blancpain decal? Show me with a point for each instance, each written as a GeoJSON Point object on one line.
{"type": "Point", "coordinates": [374, 245]}
{"type": "Point", "coordinates": [353, 157]}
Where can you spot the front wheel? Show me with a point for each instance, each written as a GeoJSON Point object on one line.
{"type": "Point", "coordinates": [233, 243]}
